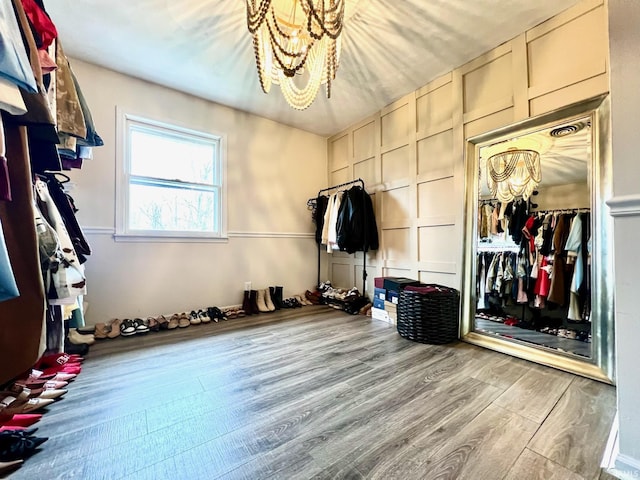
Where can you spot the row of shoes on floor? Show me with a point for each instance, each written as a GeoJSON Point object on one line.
{"type": "Point", "coordinates": [270, 299]}
{"type": "Point", "coordinates": [21, 398]}
{"type": "Point", "coordinates": [128, 327]}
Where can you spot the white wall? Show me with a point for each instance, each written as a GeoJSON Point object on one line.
{"type": "Point", "coordinates": [272, 170]}
{"type": "Point", "coordinates": [624, 36]}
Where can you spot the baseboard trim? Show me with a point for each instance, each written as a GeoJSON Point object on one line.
{"type": "Point", "coordinates": [626, 468]}
{"type": "Point", "coordinates": [615, 463]}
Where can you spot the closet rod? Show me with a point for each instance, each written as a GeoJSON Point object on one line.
{"type": "Point", "coordinates": [328, 189]}
{"type": "Point", "coordinates": [564, 210]}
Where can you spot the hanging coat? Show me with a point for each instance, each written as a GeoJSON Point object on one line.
{"type": "Point", "coordinates": [356, 227]}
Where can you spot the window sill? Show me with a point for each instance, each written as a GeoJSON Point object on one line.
{"type": "Point", "coordinates": [168, 238]}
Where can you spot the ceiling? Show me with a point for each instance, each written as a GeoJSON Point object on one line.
{"type": "Point", "coordinates": [202, 47]}
{"type": "Point", "coordinates": [565, 153]}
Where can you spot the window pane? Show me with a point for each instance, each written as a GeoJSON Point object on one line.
{"type": "Point", "coordinates": [172, 209]}
{"type": "Point", "coordinates": [162, 155]}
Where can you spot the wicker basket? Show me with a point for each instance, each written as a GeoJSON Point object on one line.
{"type": "Point", "coordinates": [430, 314]}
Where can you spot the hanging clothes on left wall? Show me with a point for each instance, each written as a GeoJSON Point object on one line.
{"type": "Point", "coordinates": [35, 318]}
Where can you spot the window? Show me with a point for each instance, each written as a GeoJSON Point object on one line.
{"type": "Point", "coordinates": [171, 181]}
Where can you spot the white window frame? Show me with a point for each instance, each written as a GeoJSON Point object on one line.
{"type": "Point", "coordinates": [123, 162]}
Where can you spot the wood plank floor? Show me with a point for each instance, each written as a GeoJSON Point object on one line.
{"type": "Point", "coordinates": [314, 393]}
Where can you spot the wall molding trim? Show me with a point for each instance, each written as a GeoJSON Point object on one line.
{"type": "Point", "coordinates": [270, 235]}
{"type": "Point", "coordinates": [238, 234]}
{"type": "Point", "coordinates": [99, 230]}
{"type": "Point", "coordinates": [625, 205]}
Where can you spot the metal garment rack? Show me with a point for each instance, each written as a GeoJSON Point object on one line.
{"type": "Point", "coordinates": [364, 255]}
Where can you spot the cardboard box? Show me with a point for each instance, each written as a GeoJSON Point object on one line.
{"type": "Point", "coordinates": [380, 293]}
{"type": "Point", "coordinates": [390, 306]}
{"type": "Point", "coordinates": [398, 283]}
{"type": "Point", "coordinates": [378, 303]}
{"type": "Point", "coordinates": [379, 314]}
{"type": "Point", "coordinates": [393, 296]}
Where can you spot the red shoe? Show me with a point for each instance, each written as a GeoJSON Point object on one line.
{"type": "Point", "coordinates": [55, 360]}
{"type": "Point", "coordinates": [68, 368]}
{"type": "Point", "coordinates": [20, 420]}
{"type": "Point", "coordinates": [12, 429]}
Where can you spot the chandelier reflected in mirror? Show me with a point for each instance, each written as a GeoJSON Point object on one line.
{"type": "Point", "coordinates": [296, 45]}
{"type": "Point", "coordinates": [513, 173]}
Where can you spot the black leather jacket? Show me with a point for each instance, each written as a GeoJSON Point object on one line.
{"type": "Point", "coordinates": [356, 227]}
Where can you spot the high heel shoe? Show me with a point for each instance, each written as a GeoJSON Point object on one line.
{"type": "Point", "coordinates": [12, 406]}
{"type": "Point", "coordinates": [16, 447]}
{"type": "Point", "coordinates": [6, 467]}
{"type": "Point", "coordinates": [20, 420]}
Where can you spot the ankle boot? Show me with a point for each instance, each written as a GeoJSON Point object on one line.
{"type": "Point", "coordinates": [278, 297]}
{"type": "Point", "coordinates": [260, 303]}
{"type": "Point", "coordinates": [246, 303]}
{"type": "Point", "coordinates": [253, 301]}
{"type": "Point", "coordinates": [268, 301]}
{"type": "Point", "coordinates": [274, 299]}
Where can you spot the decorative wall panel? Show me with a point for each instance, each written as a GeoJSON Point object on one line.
{"type": "Point", "coordinates": [396, 164]}
{"type": "Point", "coordinates": [411, 153]}
{"type": "Point", "coordinates": [396, 125]}
{"type": "Point", "coordinates": [435, 154]}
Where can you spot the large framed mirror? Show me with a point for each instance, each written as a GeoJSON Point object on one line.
{"type": "Point", "coordinates": [538, 267]}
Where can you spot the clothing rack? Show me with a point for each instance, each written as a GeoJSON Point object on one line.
{"type": "Point", "coordinates": [311, 203]}
{"type": "Point", "coordinates": [564, 210]}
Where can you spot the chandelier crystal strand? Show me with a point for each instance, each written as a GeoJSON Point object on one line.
{"type": "Point", "coordinates": [513, 173]}
{"type": "Point", "coordinates": [296, 45]}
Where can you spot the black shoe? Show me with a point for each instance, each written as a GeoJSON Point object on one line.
{"type": "Point", "coordinates": [72, 348]}
{"type": "Point", "coordinates": [13, 447]}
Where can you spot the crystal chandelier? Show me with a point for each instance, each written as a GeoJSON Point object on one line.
{"type": "Point", "coordinates": [297, 45]}
{"type": "Point", "coordinates": [513, 173]}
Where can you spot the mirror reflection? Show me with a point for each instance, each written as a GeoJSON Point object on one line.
{"type": "Point", "coordinates": [533, 281]}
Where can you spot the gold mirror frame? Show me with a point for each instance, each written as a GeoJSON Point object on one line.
{"type": "Point", "coordinates": [601, 365]}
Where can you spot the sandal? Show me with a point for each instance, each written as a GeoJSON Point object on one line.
{"type": "Point", "coordinates": [153, 324]}
{"type": "Point", "coordinates": [114, 325]}
{"type": "Point", "coordinates": [101, 331]}
{"type": "Point", "coordinates": [174, 321]}
{"type": "Point", "coordinates": [163, 323]}
{"type": "Point", "coordinates": [184, 321]}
